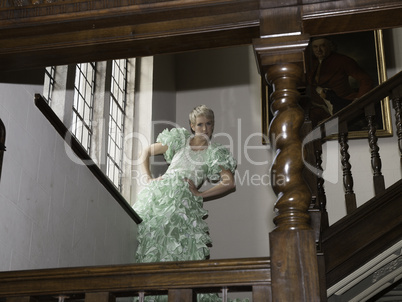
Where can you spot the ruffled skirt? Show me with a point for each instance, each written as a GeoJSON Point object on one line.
{"type": "Point", "coordinates": [173, 227]}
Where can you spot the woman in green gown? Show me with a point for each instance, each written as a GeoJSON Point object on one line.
{"type": "Point", "coordinates": [171, 206]}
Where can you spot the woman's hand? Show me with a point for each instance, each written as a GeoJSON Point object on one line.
{"type": "Point", "coordinates": [146, 153]}
{"type": "Point", "coordinates": [225, 185]}
{"type": "Point", "coordinates": [192, 187]}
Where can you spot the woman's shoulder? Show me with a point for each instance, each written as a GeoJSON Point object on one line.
{"type": "Point", "coordinates": [175, 138]}
{"type": "Point", "coordinates": [183, 131]}
{"type": "Point", "coordinates": [174, 133]}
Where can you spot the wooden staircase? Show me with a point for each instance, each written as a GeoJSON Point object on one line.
{"type": "Point", "coordinates": [363, 250]}
{"type": "Point", "coordinates": [36, 34]}
{"type": "Point", "coordinates": [357, 247]}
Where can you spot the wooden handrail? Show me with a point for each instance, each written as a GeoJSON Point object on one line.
{"type": "Point", "coordinates": [357, 107]}
{"type": "Point", "coordinates": [83, 155]}
{"type": "Point", "coordinates": [128, 280]}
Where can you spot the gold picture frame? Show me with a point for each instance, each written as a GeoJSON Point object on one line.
{"type": "Point", "coordinates": [367, 49]}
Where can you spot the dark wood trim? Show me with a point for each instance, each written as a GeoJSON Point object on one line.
{"type": "Point", "coordinates": [336, 17]}
{"type": "Point", "coordinates": [208, 275]}
{"type": "Point", "coordinates": [61, 33]}
{"type": "Point", "coordinates": [40, 38]}
{"type": "Point", "coordinates": [83, 155]}
{"type": "Point", "coordinates": [362, 235]}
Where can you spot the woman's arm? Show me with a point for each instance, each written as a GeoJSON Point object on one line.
{"type": "Point", "coordinates": [226, 184]}
{"type": "Point", "coordinates": [149, 151]}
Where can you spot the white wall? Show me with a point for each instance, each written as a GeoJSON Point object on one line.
{"type": "Point", "coordinates": [56, 214]}
{"type": "Point", "coordinates": [53, 212]}
{"type": "Point", "coordinates": [163, 104]}
{"type": "Point", "coordinates": [227, 81]}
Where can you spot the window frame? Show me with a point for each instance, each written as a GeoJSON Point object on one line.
{"type": "Point", "coordinates": [63, 106]}
{"type": "Point", "coordinates": [83, 102]}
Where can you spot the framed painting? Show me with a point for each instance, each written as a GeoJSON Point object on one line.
{"type": "Point", "coordinates": [360, 55]}
{"type": "Point", "coordinates": [366, 49]}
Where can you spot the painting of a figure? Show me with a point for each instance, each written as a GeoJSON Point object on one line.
{"type": "Point", "coordinates": [341, 69]}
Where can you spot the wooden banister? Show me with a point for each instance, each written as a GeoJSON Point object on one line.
{"type": "Point", "coordinates": [175, 278]}
{"type": "Point", "coordinates": [350, 197]}
{"type": "Point", "coordinates": [81, 153]}
{"type": "Point", "coordinates": [397, 104]}
{"type": "Point", "coordinates": [368, 230]}
{"type": "Point", "coordinates": [375, 95]}
{"type": "Point", "coordinates": [366, 103]}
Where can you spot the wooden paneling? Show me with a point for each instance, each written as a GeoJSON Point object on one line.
{"type": "Point", "coordinates": [333, 17]}
{"type": "Point", "coordinates": [34, 38]}
{"type": "Point", "coordinates": [80, 31]}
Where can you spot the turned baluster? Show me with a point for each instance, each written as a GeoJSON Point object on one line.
{"type": "Point", "coordinates": [397, 104]}
{"type": "Point", "coordinates": [261, 293]}
{"type": "Point", "coordinates": [350, 197]}
{"type": "Point", "coordinates": [310, 176]}
{"type": "Point", "coordinates": [176, 295]}
{"type": "Point", "coordinates": [321, 198]}
{"type": "Point", "coordinates": [99, 297]}
{"type": "Point", "coordinates": [378, 178]}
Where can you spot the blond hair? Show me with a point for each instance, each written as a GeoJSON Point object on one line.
{"type": "Point", "coordinates": [201, 110]}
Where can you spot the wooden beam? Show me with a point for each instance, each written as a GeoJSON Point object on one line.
{"type": "Point", "coordinates": [337, 17]}
{"type": "Point", "coordinates": [33, 37]}
{"type": "Point", "coordinates": [21, 299]}
{"type": "Point", "coordinates": [180, 295]}
{"type": "Point", "coordinates": [148, 277]}
{"type": "Point", "coordinates": [99, 297]}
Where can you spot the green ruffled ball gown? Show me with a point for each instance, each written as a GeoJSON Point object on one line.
{"type": "Point", "coordinates": [173, 227]}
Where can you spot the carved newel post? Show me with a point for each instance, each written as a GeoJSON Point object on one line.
{"type": "Point", "coordinates": [292, 244]}
{"type": "Point", "coordinates": [286, 172]}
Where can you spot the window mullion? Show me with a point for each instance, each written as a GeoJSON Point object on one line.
{"type": "Point", "coordinates": [117, 101]}
{"type": "Point", "coordinates": [69, 97]}
{"type": "Point", "coordinates": [83, 103]}
{"type": "Point", "coordinates": [106, 106]}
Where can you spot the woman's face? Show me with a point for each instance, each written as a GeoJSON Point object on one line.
{"type": "Point", "coordinates": [203, 126]}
